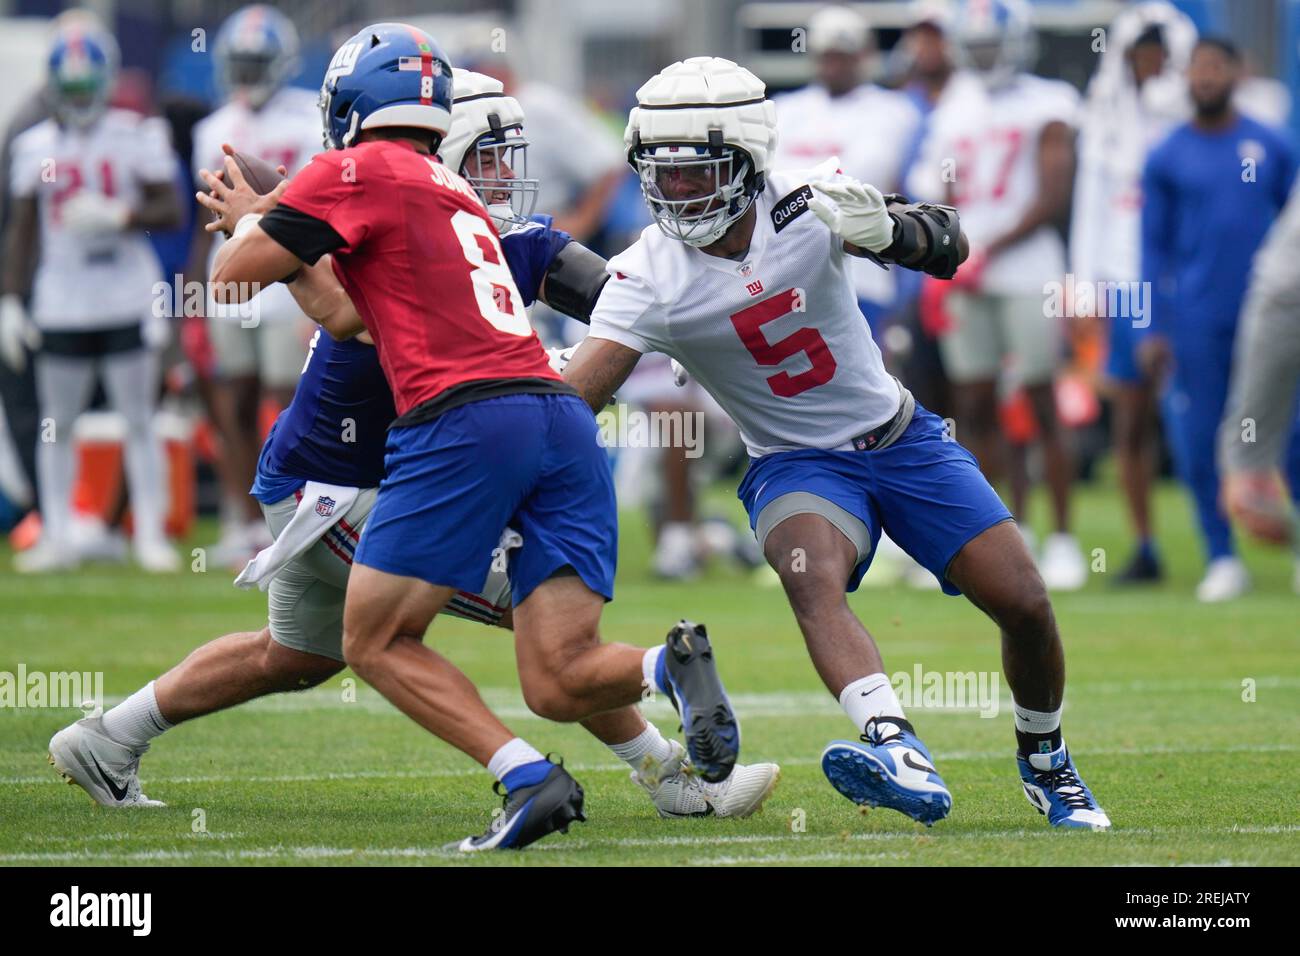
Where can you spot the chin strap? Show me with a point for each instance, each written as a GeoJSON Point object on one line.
{"type": "Point", "coordinates": [926, 237]}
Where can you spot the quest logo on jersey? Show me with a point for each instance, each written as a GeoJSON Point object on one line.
{"type": "Point", "coordinates": [791, 207]}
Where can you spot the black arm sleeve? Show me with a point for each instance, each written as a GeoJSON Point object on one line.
{"type": "Point", "coordinates": [305, 236]}
{"type": "Point", "coordinates": [573, 282]}
{"type": "Point", "coordinates": [926, 237]}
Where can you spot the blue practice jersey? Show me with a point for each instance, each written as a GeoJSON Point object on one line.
{"type": "Point", "coordinates": [1208, 200]}
{"type": "Point", "coordinates": [335, 429]}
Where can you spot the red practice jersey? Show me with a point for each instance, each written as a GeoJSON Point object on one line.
{"type": "Point", "coordinates": [423, 265]}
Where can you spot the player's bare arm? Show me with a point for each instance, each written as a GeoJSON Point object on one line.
{"type": "Point", "coordinates": [21, 247]}
{"type": "Point", "coordinates": [598, 368]}
{"type": "Point", "coordinates": [251, 259]}
{"type": "Point", "coordinates": [1056, 185]}
{"type": "Point", "coordinates": [322, 298]}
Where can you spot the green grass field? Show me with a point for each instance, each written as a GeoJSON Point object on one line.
{"type": "Point", "coordinates": [1189, 772]}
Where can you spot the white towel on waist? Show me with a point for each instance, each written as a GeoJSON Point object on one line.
{"type": "Point", "coordinates": [320, 509]}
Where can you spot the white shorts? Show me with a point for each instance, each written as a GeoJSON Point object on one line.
{"type": "Point", "coordinates": [272, 352]}
{"type": "Point", "coordinates": [305, 599]}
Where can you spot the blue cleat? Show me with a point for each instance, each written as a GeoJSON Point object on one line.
{"type": "Point", "coordinates": [686, 673]}
{"type": "Point", "coordinates": [890, 768]}
{"type": "Point", "coordinates": [1057, 791]}
{"type": "Point", "coordinates": [530, 811]}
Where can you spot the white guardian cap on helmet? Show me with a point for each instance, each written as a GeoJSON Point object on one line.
{"type": "Point", "coordinates": [700, 138]}
{"type": "Point", "coordinates": [486, 144]}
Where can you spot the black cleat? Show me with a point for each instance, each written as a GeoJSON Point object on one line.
{"type": "Point", "coordinates": [530, 813]}
{"type": "Point", "coordinates": [712, 733]}
{"type": "Point", "coordinates": [1143, 568]}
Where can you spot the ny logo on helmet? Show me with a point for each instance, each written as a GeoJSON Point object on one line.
{"type": "Point", "coordinates": [344, 62]}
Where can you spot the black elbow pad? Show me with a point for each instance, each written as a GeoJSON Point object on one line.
{"type": "Point", "coordinates": [574, 280]}
{"type": "Point", "coordinates": [926, 237]}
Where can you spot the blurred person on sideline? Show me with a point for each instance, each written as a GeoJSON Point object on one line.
{"type": "Point", "coordinates": [1134, 99]}
{"type": "Point", "coordinates": [1000, 147]}
{"type": "Point", "coordinates": [827, 119]}
{"type": "Point", "coordinates": [1211, 190]}
{"type": "Point", "coordinates": [1263, 413]}
{"type": "Point", "coordinates": [86, 185]}
{"type": "Point", "coordinates": [240, 361]}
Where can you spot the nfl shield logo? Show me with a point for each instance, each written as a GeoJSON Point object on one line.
{"type": "Point", "coordinates": [325, 506]}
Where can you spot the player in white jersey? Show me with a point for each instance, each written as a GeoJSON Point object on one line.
{"type": "Point", "coordinates": [871, 130]}
{"type": "Point", "coordinates": [1000, 148]}
{"type": "Point", "coordinates": [256, 52]}
{"type": "Point", "coordinates": [744, 281]}
{"type": "Point", "coordinates": [86, 184]}
{"type": "Point", "coordinates": [1135, 98]}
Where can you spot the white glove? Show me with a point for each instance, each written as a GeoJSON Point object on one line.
{"type": "Point", "coordinates": [17, 333]}
{"type": "Point", "coordinates": [856, 213]}
{"type": "Point", "coordinates": [89, 214]}
{"type": "Point", "coordinates": [680, 375]}
{"type": "Point", "coordinates": [559, 358]}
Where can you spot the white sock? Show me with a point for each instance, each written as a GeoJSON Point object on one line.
{"type": "Point", "coordinates": [867, 697]}
{"type": "Point", "coordinates": [514, 753]}
{"type": "Point", "coordinates": [137, 720]}
{"type": "Point", "coordinates": [1037, 721]}
{"type": "Point", "coordinates": [649, 743]}
{"type": "Point", "coordinates": [650, 664]}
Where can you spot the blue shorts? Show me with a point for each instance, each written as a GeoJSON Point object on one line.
{"type": "Point", "coordinates": [925, 490]}
{"type": "Point", "coordinates": [533, 463]}
{"type": "Point", "coordinates": [1121, 356]}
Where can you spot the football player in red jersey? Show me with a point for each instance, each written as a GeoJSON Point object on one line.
{"type": "Point", "coordinates": [487, 438]}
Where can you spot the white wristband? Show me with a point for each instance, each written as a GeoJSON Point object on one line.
{"type": "Point", "coordinates": [246, 222]}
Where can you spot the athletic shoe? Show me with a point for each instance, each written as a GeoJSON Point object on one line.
{"type": "Point", "coordinates": [675, 557]}
{"type": "Point", "coordinates": [157, 557]}
{"type": "Point", "coordinates": [890, 768]}
{"type": "Point", "coordinates": [83, 754]}
{"type": "Point", "coordinates": [1062, 564]}
{"type": "Point", "coordinates": [530, 813]}
{"type": "Point", "coordinates": [1225, 579]}
{"type": "Point", "coordinates": [93, 540]}
{"type": "Point", "coordinates": [1056, 790]}
{"type": "Point", "coordinates": [1143, 568]}
{"type": "Point", "coordinates": [45, 558]}
{"type": "Point", "coordinates": [678, 792]}
{"type": "Point", "coordinates": [686, 672]}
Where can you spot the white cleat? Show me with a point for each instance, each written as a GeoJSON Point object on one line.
{"type": "Point", "coordinates": [93, 540]}
{"type": "Point", "coordinates": [678, 792]}
{"type": "Point", "coordinates": [1225, 579]}
{"type": "Point", "coordinates": [45, 558]}
{"type": "Point", "coordinates": [676, 557]}
{"type": "Point", "coordinates": [1062, 564]}
{"type": "Point", "coordinates": [157, 557]}
{"type": "Point", "coordinates": [83, 754]}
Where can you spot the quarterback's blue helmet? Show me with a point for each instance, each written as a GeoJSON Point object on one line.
{"type": "Point", "coordinates": [389, 74]}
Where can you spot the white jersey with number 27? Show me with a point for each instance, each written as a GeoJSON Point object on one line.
{"type": "Point", "coordinates": [776, 337]}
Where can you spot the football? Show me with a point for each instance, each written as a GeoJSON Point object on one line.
{"type": "Point", "coordinates": [260, 175]}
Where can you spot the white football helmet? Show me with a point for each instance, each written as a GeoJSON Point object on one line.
{"type": "Point", "coordinates": [994, 38]}
{"type": "Point", "coordinates": [486, 145]}
{"type": "Point", "coordinates": [700, 138]}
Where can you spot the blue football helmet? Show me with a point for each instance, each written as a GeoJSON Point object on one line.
{"type": "Point", "coordinates": [256, 52]}
{"type": "Point", "coordinates": [994, 38]}
{"type": "Point", "coordinates": [389, 74]}
{"type": "Point", "coordinates": [82, 70]}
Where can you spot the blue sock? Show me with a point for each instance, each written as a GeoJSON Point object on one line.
{"type": "Point", "coordinates": [527, 775]}
{"type": "Point", "coordinates": [1147, 549]}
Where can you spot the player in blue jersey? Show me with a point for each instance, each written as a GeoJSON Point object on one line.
{"type": "Point", "coordinates": [1211, 191]}
{"type": "Point", "coordinates": [317, 479]}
